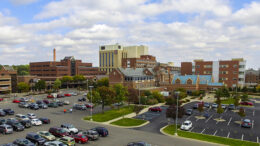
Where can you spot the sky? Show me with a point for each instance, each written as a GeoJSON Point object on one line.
{"type": "Point", "coordinates": [174, 30]}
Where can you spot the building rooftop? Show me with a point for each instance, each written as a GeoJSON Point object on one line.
{"type": "Point", "coordinates": [135, 72]}
{"type": "Point", "coordinates": [203, 79]}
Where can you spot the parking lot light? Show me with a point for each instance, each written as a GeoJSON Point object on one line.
{"type": "Point", "coordinates": [91, 108]}
{"type": "Point", "coordinates": [176, 118]}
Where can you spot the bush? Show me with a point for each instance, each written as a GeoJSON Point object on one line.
{"type": "Point", "coordinates": [152, 101]}
{"type": "Point", "coordinates": [195, 93]}
{"type": "Point", "coordinates": [187, 100]}
{"type": "Point", "coordinates": [143, 100]}
{"type": "Point", "coordinates": [157, 95]}
{"type": "Point", "coordinates": [169, 101]}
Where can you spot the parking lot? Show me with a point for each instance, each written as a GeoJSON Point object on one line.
{"type": "Point", "coordinates": [117, 136]}
{"type": "Point", "coordinates": [230, 127]}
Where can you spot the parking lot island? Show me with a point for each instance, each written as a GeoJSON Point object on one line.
{"type": "Point", "coordinates": [129, 123]}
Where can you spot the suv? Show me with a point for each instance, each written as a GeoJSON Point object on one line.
{"type": "Point", "coordinates": [91, 134]}
{"type": "Point", "coordinates": [102, 131]}
{"type": "Point", "coordinates": [35, 138]}
{"type": "Point", "coordinates": [16, 125]}
{"type": "Point", "coordinates": [58, 132]}
{"type": "Point", "coordinates": [6, 129]}
{"type": "Point", "coordinates": [9, 111]}
{"type": "Point", "coordinates": [23, 142]}
{"type": "Point", "coordinates": [70, 128]}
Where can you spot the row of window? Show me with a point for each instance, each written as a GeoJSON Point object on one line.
{"type": "Point", "coordinates": [138, 78]}
{"type": "Point", "coordinates": [144, 85]}
{"type": "Point", "coordinates": [105, 56]}
{"type": "Point", "coordinates": [221, 66]}
{"type": "Point", "coordinates": [40, 65]}
{"type": "Point", "coordinates": [221, 72]}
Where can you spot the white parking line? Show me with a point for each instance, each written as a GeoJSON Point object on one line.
{"type": "Point", "coordinates": [225, 110]}
{"type": "Point", "coordinates": [197, 119]}
{"type": "Point", "coordinates": [257, 139]}
{"type": "Point", "coordinates": [191, 129]}
{"type": "Point", "coordinates": [253, 124]}
{"type": "Point", "coordinates": [218, 121]}
{"type": "Point", "coordinates": [188, 118]}
{"type": "Point", "coordinates": [254, 113]}
{"type": "Point", "coordinates": [202, 130]}
{"type": "Point", "coordinates": [242, 137]}
{"type": "Point", "coordinates": [228, 135]}
{"type": "Point", "coordinates": [215, 132]}
{"type": "Point", "coordinates": [208, 118]}
{"type": "Point", "coordinates": [229, 121]}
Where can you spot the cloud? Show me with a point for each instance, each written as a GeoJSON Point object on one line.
{"type": "Point", "coordinates": [22, 2]}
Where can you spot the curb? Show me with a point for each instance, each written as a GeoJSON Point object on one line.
{"type": "Point", "coordinates": [147, 122]}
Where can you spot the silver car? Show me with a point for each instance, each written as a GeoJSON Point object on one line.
{"type": "Point", "coordinates": [91, 134]}
{"type": "Point", "coordinates": [54, 143]}
{"type": "Point", "coordinates": [6, 129]}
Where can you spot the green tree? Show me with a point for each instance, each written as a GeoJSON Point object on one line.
{"type": "Point", "coordinates": [79, 78]}
{"type": "Point", "coordinates": [23, 87]}
{"type": "Point", "coordinates": [103, 82]}
{"type": "Point", "coordinates": [244, 97]}
{"type": "Point", "coordinates": [220, 109]}
{"type": "Point", "coordinates": [137, 109]}
{"type": "Point", "coordinates": [236, 101]}
{"type": "Point", "coordinates": [157, 95]}
{"type": "Point", "coordinates": [200, 108]}
{"type": "Point", "coordinates": [258, 88]}
{"type": "Point", "coordinates": [96, 99]}
{"type": "Point", "coordinates": [57, 84]}
{"type": "Point", "coordinates": [147, 93]}
{"type": "Point", "coordinates": [22, 69]}
{"type": "Point", "coordinates": [170, 101]}
{"type": "Point", "coordinates": [40, 85]}
{"type": "Point", "coordinates": [132, 95]}
{"type": "Point", "coordinates": [66, 80]}
{"type": "Point", "coordinates": [171, 111]}
{"type": "Point", "coordinates": [107, 96]}
{"type": "Point", "coordinates": [120, 93]}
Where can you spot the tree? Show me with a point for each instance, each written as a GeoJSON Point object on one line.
{"type": "Point", "coordinates": [106, 95]}
{"type": "Point", "coordinates": [236, 101]}
{"type": "Point", "coordinates": [241, 112]}
{"type": "Point", "coordinates": [222, 92]}
{"type": "Point", "coordinates": [170, 101]}
{"type": "Point", "coordinates": [22, 69]}
{"type": "Point", "coordinates": [103, 82]}
{"type": "Point", "coordinates": [132, 95]}
{"type": "Point", "coordinates": [120, 93]}
{"type": "Point", "coordinates": [137, 109]}
{"type": "Point", "coordinates": [23, 87]}
{"type": "Point", "coordinates": [66, 80]}
{"type": "Point", "coordinates": [220, 109]}
{"type": "Point", "coordinates": [57, 84]}
{"type": "Point", "coordinates": [96, 99]}
{"type": "Point", "coordinates": [147, 93]}
{"type": "Point", "coordinates": [171, 112]}
{"type": "Point", "coordinates": [244, 97]}
{"type": "Point", "coordinates": [157, 95]}
{"type": "Point", "coordinates": [218, 101]}
{"type": "Point", "coordinates": [258, 88]}
{"type": "Point", "coordinates": [200, 108]}
{"type": "Point", "coordinates": [79, 78]}
{"type": "Point", "coordinates": [244, 89]}
{"type": "Point", "coordinates": [40, 85]}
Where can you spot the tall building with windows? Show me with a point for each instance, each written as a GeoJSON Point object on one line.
{"type": "Point", "coordinates": [8, 79]}
{"type": "Point", "coordinates": [229, 72]}
{"type": "Point", "coordinates": [111, 56]}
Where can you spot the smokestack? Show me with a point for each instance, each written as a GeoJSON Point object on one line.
{"type": "Point", "coordinates": [54, 55]}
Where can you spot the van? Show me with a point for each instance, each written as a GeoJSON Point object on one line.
{"type": "Point", "coordinates": [6, 129]}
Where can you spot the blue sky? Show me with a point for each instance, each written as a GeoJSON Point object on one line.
{"type": "Point", "coordinates": [174, 30]}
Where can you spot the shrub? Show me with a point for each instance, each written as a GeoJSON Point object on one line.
{"type": "Point", "coordinates": [169, 101]}
{"type": "Point", "coordinates": [152, 101]}
{"type": "Point", "coordinates": [143, 100]}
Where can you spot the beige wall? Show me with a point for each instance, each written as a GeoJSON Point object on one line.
{"type": "Point", "coordinates": [136, 51]}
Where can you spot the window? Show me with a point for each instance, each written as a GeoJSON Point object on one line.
{"type": "Point", "coordinates": [103, 60]}
{"type": "Point", "coordinates": [112, 59]}
{"type": "Point", "coordinates": [241, 66]}
{"type": "Point", "coordinates": [235, 66]}
{"type": "Point", "coordinates": [224, 72]}
{"type": "Point", "coordinates": [241, 73]}
{"type": "Point", "coordinates": [177, 81]}
{"type": "Point", "coordinates": [207, 66]}
{"type": "Point", "coordinates": [109, 59]}
{"type": "Point", "coordinates": [197, 66]}
{"type": "Point", "coordinates": [100, 59]}
{"type": "Point", "coordinates": [207, 72]}
{"type": "Point", "coordinates": [197, 72]}
{"type": "Point", "coordinates": [103, 47]}
{"type": "Point", "coordinates": [189, 81]}
{"type": "Point", "coordinates": [234, 79]}
{"type": "Point", "coordinates": [106, 59]}
{"type": "Point", "coordinates": [235, 72]}
{"type": "Point", "coordinates": [223, 66]}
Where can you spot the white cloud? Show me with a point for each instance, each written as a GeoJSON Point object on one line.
{"type": "Point", "coordinates": [249, 15]}
{"type": "Point", "coordinates": [22, 2]}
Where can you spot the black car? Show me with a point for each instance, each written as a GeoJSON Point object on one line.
{"type": "Point", "coordinates": [39, 102]}
{"type": "Point", "coordinates": [206, 104]}
{"type": "Point", "coordinates": [35, 138]}
{"type": "Point", "coordinates": [231, 107]}
{"type": "Point", "coordinates": [60, 103]}
{"type": "Point", "coordinates": [2, 113]}
{"type": "Point", "coordinates": [34, 106]}
{"type": "Point", "coordinates": [26, 123]}
{"type": "Point", "coordinates": [195, 106]}
{"type": "Point", "coordinates": [82, 99]}
{"type": "Point", "coordinates": [102, 131]}
{"type": "Point", "coordinates": [139, 143]}
{"type": "Point", "coordinates": [45, 120]}
{"type": "Point", "coordinates": [189, 112]}
{"type": "Point", "coordinates": [16, 125]}
{"type": "Point", "coordinates": [9, 111]}
{"type": "Point", "coordinates": [2, 121]}
{"type": "Point", "coordinates": [23, 142]}
{"type": "Point", "coordinates": [9, 144]}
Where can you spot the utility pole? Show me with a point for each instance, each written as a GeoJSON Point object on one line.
{"type": "Point", "coordinates": [91, 108]}
{"type": "Point", "coordinates": [177, 110]}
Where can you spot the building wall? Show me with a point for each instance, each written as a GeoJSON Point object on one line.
{"type": "Point", "coordinates": [8, 80]}
{"type": "Point", "coordinates": [186, 68]}
{"type": "Point", "coordinates": [142, 62]}
{"type": "Point", "coordinates": [203, 67]}
{"type": "Point", "coordinates": [136, 51]}
{"type": "Point", "coordinates": [228, 72]}
{"type": "Point", "coordinates": [5, 83]}
{"type": "Point", "coordinates": [252, 77]}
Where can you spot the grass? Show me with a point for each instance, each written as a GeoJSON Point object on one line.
{"type": "Point", "coordinates": [128, 122]}
{"type": "Point", "coordinates": [111, 114]}
{"type": "Point", "coordinates": [215, 139]}
{"type": "Point", "coordinates": [228, 101]}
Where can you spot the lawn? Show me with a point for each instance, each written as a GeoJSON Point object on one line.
{"type": "Point", "coordinates": [111, 114]}
{"type": "Point", "coordinates": [128, 122]}
{"type": "Point", "coordinates": [228, 101]}
{"type": "Point", "coordinates": [215, 139]}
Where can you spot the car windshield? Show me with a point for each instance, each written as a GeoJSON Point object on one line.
{"type": "Point", "coordinates": [70, 126]}
{"type": "Point", "coordinates": [36, 136]}
{"type": "Point", "coordinates": [25, 141]}
{"type": "Point", "coordinates": [247, 120]}
{"type": "Point", "coordinates": [47, 134]}
{"type": "Point", "coordinates": [17, 124]}
{"type": "Point", "coordinates": [188, 110]}
{"type": "Point", "coordinates": [186, 123]}
{"type": "Point", "coordinates": [62, 131]}
{"type": "Point", "coordinates": [24, 117]}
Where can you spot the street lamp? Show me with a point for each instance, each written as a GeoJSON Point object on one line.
{"type": "Point", "coordinates": [176, 118]}
{"type": "Point", "coordinates": [139, 94]}
{"type": "Point", "coordinates": [91, 108]}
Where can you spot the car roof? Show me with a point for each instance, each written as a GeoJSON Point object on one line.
{"type": "Point", "coordinates": [247, 120]}
{"type": "Point", "coordinates": [187, 121]}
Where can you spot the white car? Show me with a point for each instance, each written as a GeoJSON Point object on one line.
{"type": "Point", "coordinates": [31, 115]}
{"type": "Point", "coordinates": [36, 122]}
{"type": "Point", "coordinates": [69, 128]}
{"type": "Point", "coordinates": [186, 125]}
{"type": "Point", "coordinates": [73, 93]}
{"type": "Point", "coordinates": [66, 102]}
{"type": "Point", "coordinates": [54, 143]}
{"type": "Point", "coordinates": [21, 117]}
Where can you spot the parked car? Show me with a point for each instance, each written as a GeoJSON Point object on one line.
{"type": "Point", "coordinates": [91, 134]}
{"type": "Point", "coordinates": [24, 99]}
{"type": "Point", "coordinates": [2, 121]}
{"type": "Point", "coordinates": [34, 106]}
{"type": "Point", "coordinates": [60, 96]}
{"type": "Point", "coordinates": [102, 131]}
{"type": "Point", "coordinates": [16, 101]}
{"type": "Point", "coordinates": [1, 99]}
{"type": "Point", "coordinates": [73, 93]}
{"type": "Point", "coordinates": [223, 106]}
{"type": "Point", "coordinates": [89, 105]}
{"type": "Point", "coordinates": [231, 107]}
{"type": "Point", "coordinates": [206, 104]}
{"type": "Point", "coordinates": [155, 109]}
{"type": "Point", "coordinates": [9, 144]}
{"type": "Point", "coordinates": [206, 115]}
{"type": "Point", "coordinates": [26, 123]}
{"type": "Point", "coordinates": [70, 128]}
{"type": "Point", "coordinates": [43, 106]}
{"type": "Point", "coordinates": [60, 103]}
{"type": "Point", "coordinates": [214, 105]}
{"type": "Point", "coordinates": [79, 138]}
{"type": "Point", "coordinates": [118, 104]}
{"type": "Point", "coordinates": [195, 106]}
{"type": "Point", "coordinates": [23, 142]}
{"type": "Point", "coordinates": [50, 96]}
{"type": "Point", "coordinates": [9, 111]}
{"type": "Point", "coordinates": [67, 140]}
{"type": "Point", "coordinates": [20, 117]}
{"type": "Point", "coordinates": [46, 101]}
{"type": "Point", "coordinates": [6, 129]}
{"type": "Point", "coordinates": [54, 143]}
{"type": "Point", "coordinates": [47, 135]}
{"type": "Point", "coordinates": [2, 112]}
{"type": "Point", "coordinates": [58, 132]}
{"type": "Point", "coordinates": [35, 138]}
{"type": "Point", "coordinates": [79, 107]}
{"type": "Point", "coordinates": [82, 99]}
{"type": "Point", "coordinates": [66, 102]}
{"type": "Point", "coordinates": [246, 123]}
{"type": "Point", "coordinates": [67, 95]}
{"type": "Point", "coordinates": [16, 125]}
{"type": "Point", "coordinates": [53, 104]}
{"type": "Point", "coordinates": [45, 120]}
{"type": "Point", "coordinates": [31, 116]}
{"type": "Point", "coordinates": [139, 143]}
{"type": "Point", "coordinates": [186, 125]}
{"type": "Point", "coordinates": [189, 112]}
{"type": "Point", "coordinates": [23, 105]}
{"type": "Point", "coordinates": [36, 122]}
{"type": "Point", "coordinates": [246, 103]}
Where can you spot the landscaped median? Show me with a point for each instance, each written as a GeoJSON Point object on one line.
{"type": "Point", "coordinates": [129, 122]}
{"type": "Point", "coordinates": [209, 138]}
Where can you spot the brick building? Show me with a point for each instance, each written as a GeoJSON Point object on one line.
{"type": "Point", "coordinates": [8, 80]}
{"type": "Point", "coordinates": [229, 72]}
{"type": "Point", "coordinates": [145, 61]}
{"type": "Point", "coordinates": [252, 77]}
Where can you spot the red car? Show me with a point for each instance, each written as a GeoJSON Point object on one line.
{"type": "Point", "coordinates": [46, 101]}
{"type": "Point", "coordinates": [89, 105]}
{"type": "Point", "coordinates": [16, 101]}
{"type": "Point", "coordinates": [50, 96]}
{"type": "Point", "coordinates": [155, 109]}
{"type": "Point", "coordinates": [246, 103]}
{"type": "Point", "coordinates": [1, 99]}
{"type": "Point", "coordinates": [80, 138]}
{"type": "Point", "coordinates": [67, 95]}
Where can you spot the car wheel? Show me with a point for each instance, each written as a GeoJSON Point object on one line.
{"type": "Point", "coordinates": [79, 142]}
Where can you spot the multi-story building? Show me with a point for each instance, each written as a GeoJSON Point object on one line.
{"type": "Point", "coordinates": [229, 72]}
{"type": "Point", "coordinates": [145, 61]}
{"type": "Point", "coordinates": [111, 56]}
{"type": "Point", "coordinates": [252, 77]}
{"type": "Point", "coordinates": [8, 80]}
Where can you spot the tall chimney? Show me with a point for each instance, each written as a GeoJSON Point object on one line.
{"type": "Point", "coordinates": [54, 55]}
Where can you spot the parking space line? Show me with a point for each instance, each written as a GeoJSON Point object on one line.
{"type": "Point", "coordinates": [229, 121]}
{"type": "Point", "coordinates": [215, 132]}
{"type": "Point", "coordinates": [188, 118]}
{"type": "Point", "coordinates": [242, 137]}
{"type": "Point", "coordinates": [202, 130]}
{"type": "Point", "coordinates": [218, 121]}
{"type": "Point", "coordinates": [208, 118]}
{"type": "Point", "coordinates": [197, 119]}
{"type": "Point", "coordinates": [253, 113]}
{"type": "Point", "coordinates": [257, 139]}
{"type": "Point", "coordinates": [228, 135]}
{"type": "Point", "coordinates": [191, 129]}
{"type": "Point", "coordinates": [252, 124]}
{"type": "Point", "coordinates": [225, 110]}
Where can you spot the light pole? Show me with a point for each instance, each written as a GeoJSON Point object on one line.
{"type": "Point", "coordinates": [91, 108]}
{"type": "Point", "coordinates": [139, 94]}
{"type": "Point", "coordinates": [176, 118]}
